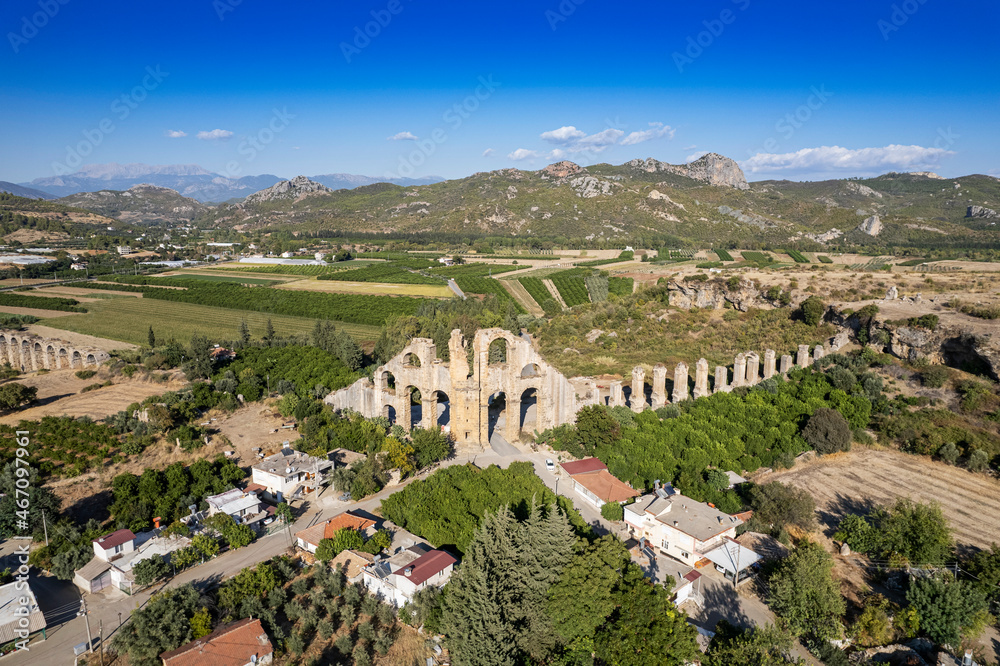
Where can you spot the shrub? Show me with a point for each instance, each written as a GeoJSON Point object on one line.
{"type": "Point", "coordinates": [935, 376]}
{"type": "Point", "coordinates": [85, 374]}
{"type": "Point", "coordinates": [979, 461]}
{"type": "Point", "coordinates": [827, 431]}
{"type": "Point", "coordinates": [949, 453]}
{"type": "Point", "coordinates": [813, 309]}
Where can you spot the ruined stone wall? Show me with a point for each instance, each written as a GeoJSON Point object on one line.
{"type": "Point", "coordinates": [31, 352]}
{"type": "Point", "coordinates": [524, 376]}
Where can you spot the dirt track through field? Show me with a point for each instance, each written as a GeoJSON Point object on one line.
{"type": "Point", "coordinates": [849, 483]}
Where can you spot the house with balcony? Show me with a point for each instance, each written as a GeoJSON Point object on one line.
{"type": "Point", "coordinates": [679, 526]}
{"type": "Point", "coordinates": [289, 475]}
{"type": "Point", "coordinates": [410, 570]}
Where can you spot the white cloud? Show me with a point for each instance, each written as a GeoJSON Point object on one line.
{"type": "Point", "coordinates": [598, 142]}
{"type": "Point", "coordinates": [556, 154]}
{"type": "Point", "coordinates": [215, 135]}
{"type": "Point", "coordinates": [402, 136]}
{"type": "Point", "coordinates": [696, 155]}
{"type": "Point", "coordinates": [522, 154]}
{"type": "Point", "coordinates": [488, 152]}
{"type": "Point", "coordinates": [563, 135]}
{"type": "Point", "coordinates": [836, 158]}
{"type": "Point", "coordinates": [655, 131]}
{"type": "Point", "coordinates": [175, 134]}
{"type": "Point", "coordinates": [691, 147]}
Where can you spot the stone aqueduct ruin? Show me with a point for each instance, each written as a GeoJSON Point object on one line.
{"type": "Point", "coordinates": [533, 394]}
{"type": "Point", "coordinates": [30, 352]}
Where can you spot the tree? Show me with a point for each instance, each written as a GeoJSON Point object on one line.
{"type": "Point", "coordinates": [805, 595]}
{"type": "Point", "coordinates": [778, 506]}
{"type": "Point", "coordinates": [758, 646]}
{"type": "Point", "coordinates": [645, 627]}
{"type": "Point", "coordinates": [149, 570]}
{"type": "Point", "coordinates": [284, 513]}
{"type": "Point", "coordinates": [249, 582]}
{"type": "Point", "coordinates": [612, 511]}
{"type": "Point", "coordinates": [596, 428]}
{"type": "Point", "coordinates": [949, 453]}
{"type": "Point", "coordinates": [244, 333]}
{"type": "Point", "coordinates": [827, 431]}
{"type": "Point", "coordinates": [269, 333]}
{"type": "Point", "coordinates": [39, 499]}
{"type": "Point", "coordinates": [199, 358]}
{"type": "Point", "coordinates": [151, 338]}
{"type": "Point", "coordinates": [916, 532]}
{"type": "Point", "coordinates": [813, 309]}
{"type": "Point", "coordinates": [163, 624]}
{"type": "Point", "coordinates": [948, 608]}
{"type": "Point", "coordinates": [345, 538]}
{"type": "Point", "coordinates": [13, 395]}
{"type": "Point", "coordinates": [206, 545]}
{"type": "Point", "coordinates": [201, 623]}
{"type": "Point", "coordinates": [240, 536]}
{"type": "Point", "coordinates": [430, 446]}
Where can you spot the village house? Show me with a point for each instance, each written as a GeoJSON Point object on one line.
{"type": "Point", "coordinates": [240, 643]}
{"type": "Point", "coordinates": [410, 570]}
{"type": "Point", "coordinates": [289, 475]}
{"type": "Point", "coordinates": [19, 611]}
{"type": "Point", "coordinates": [309, 538]}
{"type": "Point", "coordinates": [678, 526]}
{"type": "Point", "coordinates": [596, 484]}
{"type": "Point", "coordinates": [117, 553]}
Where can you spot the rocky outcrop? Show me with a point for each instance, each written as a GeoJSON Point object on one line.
{"type": "Point", "coordinates": [563, 169]}
{"type": "Point", "coordinates": [747, 218]}
{"type": "Point", "coordinates": [951, 345]}
{"type": "Point", "coordinates": [712, 168]}
{"type": "Point", "coordinates": [589, 187]}
{"type": "Point", "coordinates": [287, 189]}
{"type": "Point", "coordinates": [871, 226]}
{"type": "Point", "coordinates": [981, 212]}
{"type": "Point", "coordinates": [714, 295]}
{"type": "Point", "coordinates": [858, 188]}
{"type": "Point", "coordinates": [826, 236]}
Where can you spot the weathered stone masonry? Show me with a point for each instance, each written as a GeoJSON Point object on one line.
{"type": "Point", "coordinates": [30, 352]}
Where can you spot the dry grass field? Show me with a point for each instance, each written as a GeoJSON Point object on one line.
{"type": "Point", "coordinates": [849, 483]}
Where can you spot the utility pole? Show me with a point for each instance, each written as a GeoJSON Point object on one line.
{"type": "Point", "coordinates": [86, 617]}
{"type": "Point", "coordinates": [46, 528]}
{"type": "Point", "coordinates": [102, 642]}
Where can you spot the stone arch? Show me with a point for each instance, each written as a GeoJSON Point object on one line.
{"type": "Point", "coordinates": [496, 406]}
{"type": "Point", "coordinates": [530, 370]}
{"type": "Point", "coordinates": [389, 412]}
{"type": "Point", "coordinates": [91, 360]}
{"type": "Point", "coordinates": [412, 407]}
{"type": "Point", "coordinates": [388, 382]}
{"type": "Point", "coordinates": [63, 358]}
{"type": "Point", "coordinates": [4, 350]}
{"type": "Point", "coordinates": [26, 358]}
{"type": "Point", "coordinates": [443, 405]}
{"type": "Point", "coordinates": [50, 357]}
{"type": "Point", "coordinates": [497, 351]}
{"type": "Point", "coordinates": [411, 360]}
{"type": "Point", "coordinates": [76, 359]}
{"type": "Point", "coordinates": [38, 355]}
{"type": "Point", "coordinates": [528, 415]}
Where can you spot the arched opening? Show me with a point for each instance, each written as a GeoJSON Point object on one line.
{"type": "Point", "coordinates": [411, 361]}
{"type": "Point", "coordinates": [26, 359]}
{"type": "Point", "coordinates": [416, 406]}
{"type": "Point", "coordinates": [389, 412]}
{"type": "Point", "coordinates": [91, 360]}
{"type": "Point", "coordinates": [497, 352]}
{"type": "Point", "coordinates": [529, 410]}
{"type": "Point", "coordinates": [497, 410]}
{"type": "Point", "coordinates": [4, 352]}
{"type": "Point", "coordinates": [530, 370]}
{"type": "Point", "coordinates": [38, 355]}
{"type": "Point", "coordinates": [443, 410]}
{"type": "Point", "coordinates": [50, 357]}
{"type": "Point", "coordinates": [76, 360]}
{"type": "Point", "coordinates": [63, 358]}
{"type": "Point", "coordinates": [388, 382]}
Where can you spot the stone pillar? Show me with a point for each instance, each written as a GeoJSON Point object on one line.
{"type": "Point", "coordinates": [803, 357]}
{"type": "Point", "coordinates": [638, 398]}
{"type": "Point", "coordinates": [617, 397]}
{"type": "Point", "coordinates": [740, 370]}
{"type": "Point", "coordinates": [753, 368]}
{"type": "Point", "coordinates": [680, 382]}
{"type": "Point", "coordinates": [818, 353]}
{"type": "Point", "coordinates": [786, 363]}
{"type": "Point", "coordinates": [428, 410]}
{"type": "Point", "coordinates": [659, 385]}
{"type": "Point", "coordinates": [769, 369]}
{"type": "Point", "coordinates": [406, 417]}
{"type": "Point", "coordinates": [721, 375]}
{"type": "Point", "coordinates": [701, 379]}
{"type": "Point", "coordinates": [513, 425]}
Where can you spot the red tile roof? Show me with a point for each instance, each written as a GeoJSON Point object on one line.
{"type": "Point", "coordinates": [232, 643]}
{"type": "Point", "coordinates": [583, 466]}
{"type": "Point", "coordinates": [116, 538]}
{"type": "Point", "coordinates": [428, 565]}
{"type": "Point", "coordinates": [326, 530]}
{"type": "Point", "coordinates": [606, 486]}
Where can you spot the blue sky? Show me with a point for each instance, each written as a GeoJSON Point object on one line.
{"type": "Point", "coordinates": [248, 87]}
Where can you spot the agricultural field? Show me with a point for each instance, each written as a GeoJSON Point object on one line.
{"type": "Point", "coordinates": [21, 300]}
{"type": "Point", "coordinates": [823, 259]}
{"type": "Point", "coordinates": [62, 446]}
{"type": "Point", "coordinates": [236, 279]}
{"type": "Point", "coordinates": [723, 255]}
{"type": "Point", "coordinates": [281, 269]}
{"type": "Point", "coordinates": [481, 285]}
{"type": "Point", "coordinates": [757, 257]}
{"type": "Point", "coordinates": [128, 320]}
{"type": "Point", "coordinates": [389, 273]}
{"type": "Point", "coordinates": [597, 287]}
{"type": "Point", "coordinates": [797, 256]}
{"type": "Point", "coordinates": [623, 286]}
{"type": "Point", "coordinates": [848, 482]}
{"type": "Point", "coordinates": [474, 270]}
{"type": "Point", "coordinates": [571, 286]}
{"type": "Point", "coordinates": [876, 264]}
{"type": "Point", "coordinates": [535, 288]}
{"type": "Point", "coordinates": [438, 290]}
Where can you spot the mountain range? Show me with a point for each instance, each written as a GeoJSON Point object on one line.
{"type": "Point", "coordinates": [189, 180]}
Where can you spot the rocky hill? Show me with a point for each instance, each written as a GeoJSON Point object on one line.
{"type": "Point", "coordinates": [140, 204]}
{"type": "Point", "coordinates": [290, 190]}
{"type": "Point", "coordinates": [707, 202]}
{"type": "Point", "coordinates": [21, 191]}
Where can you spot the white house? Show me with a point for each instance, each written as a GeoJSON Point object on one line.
{"type": "Point", "coordinates": [679, 526]}
{"type": "Point", "coordinates": [592, 480]}
{"type": "Point", "coordinates": [236, 503]}
{"type": "Point", "coordinates": [309, 538]}
{"type": "Point", "coordinates": [117, 553]}
{"type": "Point", "coordinates": [114, 545]}
{"type": "Point", "coordinates": [400, 577]}
{"type": "Point", "coordinates": [19, 611]}
{"type": "Point", "coordinates": [289, 475]}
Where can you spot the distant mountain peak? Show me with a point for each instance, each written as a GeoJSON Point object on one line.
{"type": "Point", "coordinates": [288, 189]}
{"type": "Point", "coordinates": [137, 170]}
{"type": "Point", "coordinates": [711, 168]}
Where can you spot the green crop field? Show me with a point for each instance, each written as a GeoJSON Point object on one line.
{"type": "Point", "coordinates": [757, 257]}
{"type": "Point", "coordinates": [281, 269]}
{"type": "Point", "coordinates": [621, 286]}
{"type": "Point", "coordinates": [571, 286]}
{"type": "Point", "coordinates": [129, 319]}
{"type": "Point", "coordinates": [724, 255]}
{"type": "Point", "coordinates": [535, 288]}
{"type": "Point", "coordinates": [390, 273]}
{"type": "Point", "coordinates": [482, 285]}
{"type": "Point", "coordinates": [797, 256]}
{"type": "Point", "coordinates": [474, 270]}
{"type": "Point", "coordinates": [228, 278]}
{"type": "Point", "coordinates": [823, 259]}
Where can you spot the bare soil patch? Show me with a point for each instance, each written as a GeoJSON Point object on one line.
{"type": "Point", "coordinates": [853, 482]}
{"type": "Point", "coordinates": [36, 312]}
{"type": "Point", "coordinates": [77, 339]}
